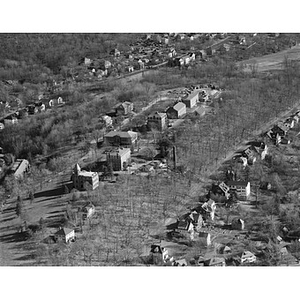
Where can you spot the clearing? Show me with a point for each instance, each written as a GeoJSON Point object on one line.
{"type": "Point", "coordinates": [271, 62]}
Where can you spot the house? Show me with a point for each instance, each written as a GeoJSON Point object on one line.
{"type": "Point", "coordinates": [199, 111]}
{"type": "Point", "coordinates": [1, 126]}
{"type": "Point", "coordinates": [241, 188]}
{"type": "Point", "coordinates": [32, 109]}
{"type": "Point", "coordinates": [20, 167]}
{"type": "Point", "coordinates": [107, 120]}
{"type": "Point", "coordinates": [84, 180]}
{"type": "Point", "coordinates": [237, 224]}
{"type": "Point", "coordinates": [247, 257]}
{"type": "Point", "coordinates": [65, 234]}
{"type": "Point", "coordinates": [130, 69]}
{"type": "Point", "coordinates": [191, 100]}
{"type": "Point", "coordinates": [215, 262]}
{"type": "Point", "coordinates": [260, 148]}
{"type": "Point", "coordinates": [107, 64]}
{"type": "Point", "coordinates": [281, 129]}
{"type": "Point", "coordinates": [87, 61]}
{"type": "Point", "coordinates": [157, 121]}
{"type": "Point", "coordinates": [186, 227]}
{"type": "Point", "coordinates": [177, 111]}
{"type": "Point", "coordinates": [210, 51]}
{"type": "Point", "coordinates": [296, 119]}
{"type": "Point", "coordinates": [250, 153]}
{"type": "Point", "coordinates": [10, 120]}
{"type": "Point", "coordinates": [118, 158]}
{"type": "Point", "coordinates": [205, 237]}
{"type": "Point", "coordinates": [275, 137]}
{"type": "Point", "coordinates": [158, 254]}
{"type": "Point", "coordinates": [196, 219]}
{"type": "Point", "coordinates": [87, 211]}
{"type": "Point", "coordinates": [180, 263]}
{"type": "Point", "coordinates": [210, 207]}
{"type": "Point", "coordinates": [226, 250]}
{"type": "Point", "coordinates": [123, 108]}
{"type": "Point", "coordinates": [222, 189]}
{"type": "Point", "coordinates": [121, 138]}
{"type": "Point", "coordinates": [56, 102]}
{"type": "Point", "coordinates": [290, 123]}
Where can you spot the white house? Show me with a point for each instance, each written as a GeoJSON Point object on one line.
{"type": "Point", "coordinates": [206, 237]}
{"type": "Point", "coordinates": [247, 257]}
{"type": "Point", "coordinates": [210, 207]}
{"type": "Point", "coordinates": [65, 234]}
{"type": "Point", "coordinates": [242, 188]}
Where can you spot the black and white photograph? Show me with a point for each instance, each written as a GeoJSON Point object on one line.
{"type": "Point", "coordinates": [154, 148]}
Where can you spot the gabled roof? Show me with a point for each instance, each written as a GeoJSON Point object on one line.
{"type": "Point", "coordinates": [178, 106]}
{"type": "Point", "coordinates": [192, 95]}
{"type": "Point", "coordinates": [156, 113]}
{"type": "Point", "coordinates": [247, 254]}
{"type": "Point", "coordinates": [64, 231]}
{"type": "Point", "coordinates": [238, 183]}
{"type": "Point", "coordinates": [122, 134]}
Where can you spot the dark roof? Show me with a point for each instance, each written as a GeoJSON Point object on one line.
{"type": "Point", "coordinates": [238, 183]}
{"type": "Point", "coordinates": [64, 231]}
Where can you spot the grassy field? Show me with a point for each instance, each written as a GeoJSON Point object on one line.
{"type": "Point", "coordinates": [271, 62]}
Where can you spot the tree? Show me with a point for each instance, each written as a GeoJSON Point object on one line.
{"type": "Point", "coordinates": [31, 197]}
{"type": "Point", "coordinates": [66, 189]}
{"type": "Point", "coordinates": [19, 207]}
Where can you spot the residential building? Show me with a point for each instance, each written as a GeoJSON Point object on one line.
{"type": "Point", "coordinates": [121, 138]}
{"type": "Point", "coordinates": [56, 102]}
{"type": "Point", "coordinates": [118, 158]}
{"type": "Point", "coordinates": [107, 120]}
{"type": "Point", "coordinates": [247, 257]}
{"type": "Point", "coordinates": [215, 262]}
{"type": "Point", "coordinates": [20, 167]}
{"type": "Point", "coordinates": [177, 111]}
{"type": "Point", "coordinates": [10, 120]}
{"type": "Point", "coordinates": [87, 211]}
{"type": "Point", "coordinates": [237, 224]}
{"type": "Point", "coordinates": [186, 227]}
{"type": "Point", "coordinates": [158, 254]}
{"type": "Point", "coordinates": [210, 207]}
{"type": "Point", "coordinates": [205, 237]}
{"type": "Point", "coordinates": [84, 180]}
{"type": "Point", "coordinates": [180, 263]}
{"type": "Point", "coordinates": [250, 153]}
{"type": "Point", "coordinates": [260, 147]}
{"type": "Point", "coordinates": [87, 61]}
{"type": "Point", "coordinates": [191, 100]}
{"type": "Point", "coordinates": [65, 234]}
{"type": "Point", "coordinates": [124, 108]}
{"type": "Point", "coordinates": [1, 126]}
{"type": "Point", "coordinates": [241, 188]}
{"type": "Point", "coordinates": [157, 121]}
{"type": "Point", "coordinates": [199, 111]}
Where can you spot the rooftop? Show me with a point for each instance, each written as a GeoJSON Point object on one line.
{"type": "Point", "coordinates": [237, 183]}
{"type": "Point", "coordinates": [178, 106]}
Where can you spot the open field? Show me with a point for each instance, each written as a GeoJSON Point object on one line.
{"type": "Point", "coordinates": [271, 62]}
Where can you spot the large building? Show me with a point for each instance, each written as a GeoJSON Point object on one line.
{"type": "Point", "coordinates": [241, 188]}
{"type": "Point", "coordinates": [20, 167]}
{"type": "Point", "coordinates": [84, 180]}
{"type": "Point", "coordinates": [118, 158]}
{"type": "Point", "coordinates": [121, 138]}
{"type": "Point", "coordinates": [157, 121]}
{"type": "Point", "coordinates": [191, 100]}
{"type": "Point", "coordinates": [177, 111]}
